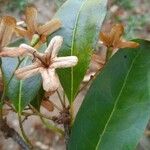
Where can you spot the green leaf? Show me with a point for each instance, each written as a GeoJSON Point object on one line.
{"type": "Point", "coordinates": [81, 20]}
{"type": "Point", "coordinates": [20, 92]}
{"type": "Point", "coordinates": [116, 109]}
{"type": "Point", "coordinates": [36, 102]}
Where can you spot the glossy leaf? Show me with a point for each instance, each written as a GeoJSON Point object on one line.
{"type": "Point", "coordinates": [36, 102]}
{"type": "Point", "coordinates": [116, 110]}
{"type": "Point", "coordinates": [81, 22]}
{"type": "Point", "coordinates": [20, 92]}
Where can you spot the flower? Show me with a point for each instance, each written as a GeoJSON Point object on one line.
{"type": "Point", "coordinates": [114, 40]}
{"type": "Point", "coordinates": [46, 63]}
{"type": "Point", "coordinates": [7, 27]}
{"type": "Point", "coordinates": [35, 31]}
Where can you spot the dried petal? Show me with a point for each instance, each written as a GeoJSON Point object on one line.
{"type": "Point", "coordinates": [7, 27]}
{"type": "Point", "coordinates": [105, 38]}
{"type": "Point", "coordinates": [49, 27]}
{"type": "Point", "coordinates": [54, 46]}
{"type": "Point", "coordinates": [30, 50]}
{"type": "Point", "coordinates": [22, 32]}
{"type": "Point", "coordinates": [64, 62]}
{"type": "Point", "coordinates": [127, 44]}
{"type": "Point", "coordinates": [12, 52]}
{"type": "Point", "coordinates": [116, 33]}
{"type": "Point", "coordinates": [27, 71]}
{"type": "Point", "coordinates": [48, 105]}
{"type": "Point", "coordinates": [31, 19]}
{"type": "Point", "coordinates": [50, 79]}
{"type": "Point", "coordinates": [114, 40]}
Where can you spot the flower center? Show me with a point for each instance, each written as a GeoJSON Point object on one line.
{"type": "Point", "coordinates": [45, 60]}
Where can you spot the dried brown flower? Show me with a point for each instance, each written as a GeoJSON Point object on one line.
{"type": "Point", "coordinates": [114, 39]}
{"type": "Point", "coordinates": [34, 31]}
{"type": "Point", "coordinates": [7, 27]}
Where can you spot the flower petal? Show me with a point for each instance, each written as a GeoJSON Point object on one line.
{"type": "Point", "coordinates": [7, 27]}
{"type": "Point", "coordinates": [27, 71]}
{"type": "Point", "coordinates": [54, 46]}
{"type": "Point", "coordinates": [22, 32]}
{"type": "Point", "coordinates": [50, 79]}
{"type": "Point", "coordinates": [47, 104]}
{"type": "Point", "coordinates": [31, 19]}
{"type": "Point", "coordinates": [12, 52]}
{"type": "Point", "coordinates": [64, 62]}
{"type": "Point", "coordinates": [127, 44]}
{"type": "Point", "coordinates": [116, 33]}
{"type": "Point", "coordinates": [49, 27]}
{"type": "Point", "coordinates": [30, 50]}
{"type": "Point", "coordinates": [105, 38]}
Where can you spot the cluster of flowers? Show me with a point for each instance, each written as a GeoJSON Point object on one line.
{"type": "Point", "coordinates": [44, 63]}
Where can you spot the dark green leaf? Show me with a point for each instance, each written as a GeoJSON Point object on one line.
{"type": "Point", "coordinates": [81, 20]}
{"type": "Point", "coordinates": [116, 108]}
{"type": "Point", "coordinates": [36, 102]}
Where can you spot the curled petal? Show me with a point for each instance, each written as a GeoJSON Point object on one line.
{"type": "Point", "coordinates": [20, 23]}
{"type": "Point", "coordinates": [116, 33]}
{"type": "Point", "coordinates": [7, 27]}
{"type": "Point", "coordinates": [50, 79]}
{"type": "Point", "coordinates": [22, 32]}
{"type": "Point", "coordinates": [12, 52]}
{"type": "Point", "coordinates": [31, 19]}
{"type": "Point", "coordinates": [30, 50]}
{"type": "Point", "coordinates": [47, 105]}
{"type": "Point", "coordinates": [105, 38]}
{"type": "Point", "coordinates": [64, 62]}
{"type": "Point", "coordinates": [49, 27]}
{"type": "Point", "coordinates": [54, 46]}
{"type": "Point", "coordinates": [28, 71]}
{"type": "Point", "coordinates": [127, 44]}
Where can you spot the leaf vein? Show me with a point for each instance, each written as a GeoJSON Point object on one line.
{"type": "Point", "coordinates": [117, 100]}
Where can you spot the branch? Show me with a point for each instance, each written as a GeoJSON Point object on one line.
{"type": "Point", "coordinates": [9, 132]}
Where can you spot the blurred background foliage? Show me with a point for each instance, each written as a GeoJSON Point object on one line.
{"type": "Point", "coordinates": [134, 14]}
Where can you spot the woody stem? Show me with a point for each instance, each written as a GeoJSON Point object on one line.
{"type": "Point", "coordinates": [61, 100]}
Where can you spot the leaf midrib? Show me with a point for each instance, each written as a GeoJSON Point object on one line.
{"type": "Point", "coordinates": [117, 100]}
{"type": "Point", "coordinates": [20, 90]}
{"type": "Point", "coordinates": [72, 47]}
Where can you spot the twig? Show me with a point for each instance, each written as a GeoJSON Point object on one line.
{"type": "Point", "coordinates": [85, 85]}
{"type": "Point", "coordinates": [56, 106]}
{"type": "Point", "coordinates": [11, 133]}
{"type": "Point", "coordinates": [5, 88]}
{"type": "Point", "coordinates": [23, 132]}
{"type": "Point", "coordinates": [91, 79]}
{"type": "Point", "coordinates": [61, 101]}
{"type": "Point", "coordinates": [67, 133]}
{"type": "Point", "coordinates": [64, 99]}
{"type": "Point", "coordinates": [3, 95]}
{"type": "Point", "coordinates": [36, 114]}
{"type": "Point", "coordinates": [54, 128]}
